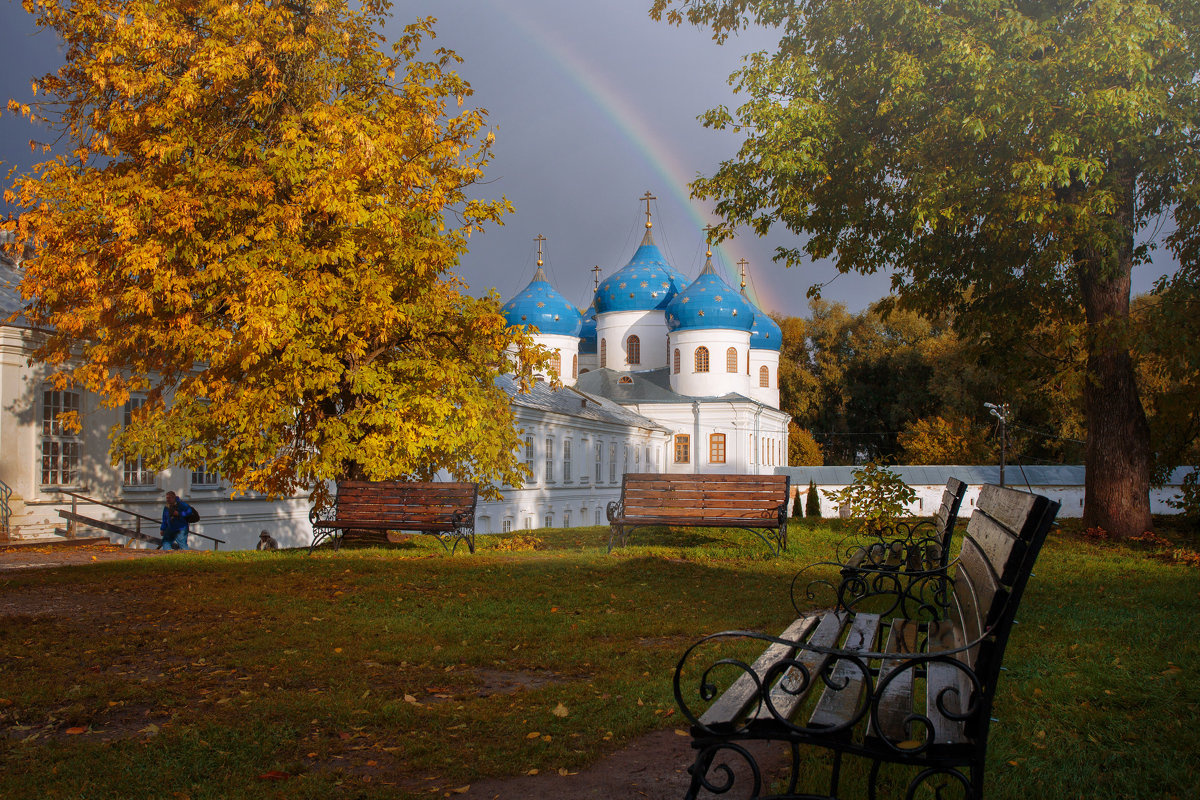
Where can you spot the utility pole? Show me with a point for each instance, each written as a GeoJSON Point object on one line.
{"type": "Point", "coordinates": [1000, 412]}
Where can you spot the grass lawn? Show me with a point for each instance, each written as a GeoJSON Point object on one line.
{"type": "Point", "coordinates": [404, 672]}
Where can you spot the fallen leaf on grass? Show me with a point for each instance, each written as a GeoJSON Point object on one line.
{"type": "Point", "coordinates": [274, 775]}
{"type": "Point", "coordinates": [560, 710]}
{"type": "Point", "coordinates": [533, 735]}
{"type": "Point", "coordinates": [680, 733]}
{"type": "Point", "coordinates": [75, 731]}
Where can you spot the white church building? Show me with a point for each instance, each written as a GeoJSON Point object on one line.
{"type": "Point", "coordinates": [661, 373]}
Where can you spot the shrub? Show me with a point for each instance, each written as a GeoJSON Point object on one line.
{"type": "Point", "coordinates": [877, 496]}
{"type": "Point", "coordinates": [813, 503]}
{"type": "Point", "coordinates": [798, 505]}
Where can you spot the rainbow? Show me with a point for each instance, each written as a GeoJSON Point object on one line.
{"type": "Point", "coordinates": [651, 148]}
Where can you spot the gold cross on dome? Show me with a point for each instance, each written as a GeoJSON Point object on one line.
{"type": "Point", "coordinates": [708, 229]}
{"type": "Point", "coordinates": [648, 197]}
{"type": "Point", "coordinates": [596, 277]}
{"type": "Point", "coordinates": [539, 239]}
{"type": "Point", "coordinates": [743, 264]}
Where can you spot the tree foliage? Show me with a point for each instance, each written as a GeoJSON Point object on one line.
{"type": "Point", "coordinates": [937, 440]}
{"type": "Point", "coordinates": [877, 496]}
{"type": "Point", "coordinates": [255, 225]}
{"type": "Point", "coordinates": [803, 450]}
{"type": "Point", "coordinates": [1000, 156]}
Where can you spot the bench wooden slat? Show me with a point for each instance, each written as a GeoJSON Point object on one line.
{"type": "Point", "coordinates": [947, 685]}
{"type": "Point", "coordinates": [743, 692]}
{"type": "Point", "coordinates": [786, 702]}
{"type": "Point", "coordinates": [896, 699]}
{"type": "Point", "coordinates": [837, 706]}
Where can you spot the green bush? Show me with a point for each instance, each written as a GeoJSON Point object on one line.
{"type": "Point", "coordinates": [877, 496]}
{"type": "Point", "coordinates": [813, 503]}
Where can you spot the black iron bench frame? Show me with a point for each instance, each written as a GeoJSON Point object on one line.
{"type": "Point", "coordinates": [915, 690]}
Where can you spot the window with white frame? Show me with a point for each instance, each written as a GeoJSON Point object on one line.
{"type": "Point", "coordinates": [133, 470]}
{"type": "Point", "coordinates": [60, 446]}
{"type": "Point", "coordinates": [612, 462]}
{"type": "Point", "coordinates": [566, 460]}
{"type": "Point", "coordinates": [549, 521]}
{"type": "Point", "coordinates": [637, 459]}
{"type": "Point", "coordinates": [683, 448]}
{"type": "Point", "coordinates": [599, 518]}
{"type": "Point", "coordinates": [506, 526]}
{"type": "Point", "coordinates": [567, 518]}
{"type": "Point", "coordinates": [549, 459]}
{"type": "Point", "coordinates": [599, 461]}
{"type": "Point", "coordinates": [203, 475]}
{"type": "Point", "coordinates": [529, 458]}
{"type": "Point", "coordinates": [625, 461]}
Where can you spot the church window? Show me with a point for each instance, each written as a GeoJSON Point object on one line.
{"type": "Point", "coordinates": [612, 462]}
{"type": "Point", "coordinates": [134, 472]}
{"type": "Point", "coordinates": [599, 519]}
{"type": "Point", "coordinates": [205, 475]}
{"type": "Point", "coordinates": [529, 523]}
{"type": "Point", "coordinates": [731, 360]}
{"type": "Point", "coordinates": [633, 350]}
{"type": "Point", "coordinates": [683, 448]}
{"type": "Point", "coordinates": [574, 366]}
{"type": "Point", "coordinates": [676, 360]}
{"type": "Point", "coordinates": [567, 518]}
{"type": "Point", "coordinates": [764, 377]}
{"type": "Point", "coordinates": [701, 359]}
{"type": "Point", "coordinates": [599, 461]}
{"type": "Point", "coordinates": [549, 459]}
{"type": "Point", "coordinates": [529, 458]}
{"type": "Point", "coordinates": [556, 363]}
{"type": "Point", "coordinates": [716, 448]}
{"type": "Point", "coordinates": [549, 521]}
{"type": "Point", "coordinates": [506, 526]}
{"type": "Point", "coordinates": [637, 460]}
{"type": "Point", "coordinates": [625, 379]}
{"type": "Point", "coordinates": [566, 460]}
{"type": "Point", "coordinates": [603, 353]}
{"type": "Point", "coordinates": [625, 464]}
{"type": "Point", "coordinates": [60, 446]}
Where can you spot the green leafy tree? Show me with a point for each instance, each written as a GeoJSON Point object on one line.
{"type": "Point", "coordinates": [255, 225]}
{"type": "Point", "coordinates": [877, 496]}
{"type": "Point", "coordinates": [1002, 157]}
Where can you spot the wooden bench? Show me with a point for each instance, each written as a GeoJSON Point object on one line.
{"type": "Point", "coordinates": [445, 510]}
{"type": "Point", "coordinates": [910, 692]}
{"type": "Point", "coordinates": [757, 503]}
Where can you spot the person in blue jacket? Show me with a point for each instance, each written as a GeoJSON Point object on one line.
{"type": "Point", "coordinates": [174, 523]}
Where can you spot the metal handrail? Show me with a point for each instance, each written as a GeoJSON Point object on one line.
{"type": "Point", "coordinates": [5, 510]}
{"type": "Point", "coordinates": [75, 496]}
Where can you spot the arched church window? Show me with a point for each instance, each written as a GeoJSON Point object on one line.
{"type": "Point", "coordinates": [603, 353]}
{"type": "Point", "coordinates": [701, 359]}
{"type": "Point", "coordinates": [575, 366]}
{"type": "Point", "coordinates": [731, 360]}
{"type": "Point", "coordinates": [625, 379]}
{"type": "Point", "coordinates": [764, 378]}
{"type": "Point", "coordinates": [633, 350]}
{"type": "Point", "coordinates": [676, 360]}
{"type": "Point", "coordinates": [556, 363]}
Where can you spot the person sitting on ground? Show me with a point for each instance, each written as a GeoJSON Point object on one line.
{"type": "Point", "coordinates": [267, 542]}
{"type": "Point", "coordinates": [174, 523]}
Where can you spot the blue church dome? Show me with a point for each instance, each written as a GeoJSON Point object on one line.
{"type": "Point", "coordinates": [766, 333]}
{"type": "Point", "coordinates": [540, 305]}
{"type": "Point", "coordinates": [587, 332]}
{"type": "Point", "coordinates": [709, 303]}
{"type": "Point", "coordinates": [646, 283]}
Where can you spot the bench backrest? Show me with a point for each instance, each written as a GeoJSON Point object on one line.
{"type": "Point", "coordinates": [946, 516]}
{"type": "Point", "coordinates": [431, 505]}
{"type": "Point", "coordinates": [705, 496]}
{"type": "Point", "coordinates": [999, 548]}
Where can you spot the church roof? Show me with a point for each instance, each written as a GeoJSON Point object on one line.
{"type": "Point", "coordinates": [587, 331]}
{"type": "Point", "coordinates": [539, 304]}
{"type": "Point", "coordinates": [10, 293]}
{"type": "Point", "coordinates": [573, 402]}
{"type": "Point", "coordinates": [646, 283]}
{"type": "Point", "coordinates": [766, 333]}
{"type": "Point", "coordinates": [651, 386]}
{"type": "Point", "coordinates": [709, 303]}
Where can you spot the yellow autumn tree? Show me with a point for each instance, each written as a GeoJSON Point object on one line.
{"type": "Point", "coordinates": [255, 227]}
{"type": "Point", "coordinates": [945, 440]}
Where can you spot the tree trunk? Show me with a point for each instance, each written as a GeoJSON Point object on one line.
{"type": "Point", "coordinates": [1117, 484]}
